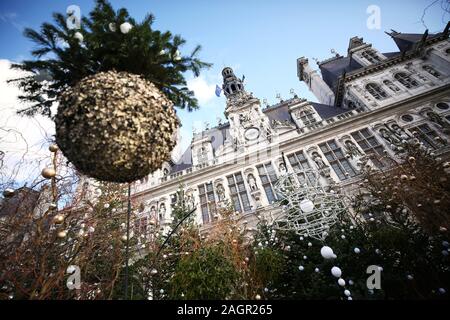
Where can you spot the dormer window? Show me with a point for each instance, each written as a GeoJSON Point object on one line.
{"type": "Point", "coordinates": [391, 85]}
{"type": "Point", "coordinates": [371, 56]}
{"type": "Point", "coordinates": [406, 80]}
{"type": "Point", "coordinates": [307, 117]}
{"type": "Point", "coordinates": [376, 91]}
{"type": "Point", "coordinates": [431, 71]}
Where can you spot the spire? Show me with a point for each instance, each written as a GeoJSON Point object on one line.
{"type": "Point", "coordinates": [232, 85]}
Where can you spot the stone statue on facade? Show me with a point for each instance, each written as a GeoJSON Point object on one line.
{"type": "Point", "coordinates": [252, 182]}
{"type": "Point", "coordinates": [351, 149]}
{"type": "Point", "coordinates": [318, 160]}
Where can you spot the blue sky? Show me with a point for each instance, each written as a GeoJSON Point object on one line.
{"type": "Point", "coordinates": [260, 39]}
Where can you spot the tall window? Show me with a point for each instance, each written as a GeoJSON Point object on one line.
{"type": "Point", "coordinates": [370, 145]}
{"type": "Point", "coordinates": [299, 163]}
{"type": "Point", "coordinates": [406, 80]}
{"type": "Point", "coordinates": [307, 117]}
{"type": "Point", "coordinates": [431, 71]}
{"type": "Point", "coordinates": [207, 202]}
{"type": "Point", "coordinates": [268, 178]}
{"type": "Point", "coordinates": [426, 135]}
{"type": "Point", "coordinates": [140, 225]}
{"type": "Point", "coordinates": [371, 56]}
{"type": "Point", "coordinates": [376, 91]}
{"type": "Point", "coordinates": [337, 160]}
{"type": "Point", "coordinates": [238, 192]}
{"type": "Point", "coordinates": [391, 85]}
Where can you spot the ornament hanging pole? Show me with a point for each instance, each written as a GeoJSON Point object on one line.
{"type": "Point", "coordinates": [128, 241]}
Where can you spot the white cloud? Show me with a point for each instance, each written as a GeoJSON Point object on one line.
{"type": "Point", "coordinates": [204, 91]}
{"type": "Point", "coordinates": [23, 140]}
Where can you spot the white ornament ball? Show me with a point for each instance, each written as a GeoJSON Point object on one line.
{"type": "Point", "coordinates": [125, 27]}
{"type": "Point", "coordinates": [301, 238]}
{"type": "Point", "coordinates": [350, 282]}
{"type": "Point", "coordinates": [301, 268]}
{"type": "Point", "coordinates": [349, 298]}
{"type": "Point", "coordinates": [409, 277]}
{"type": "Point", "coordinates": [305, 257]}
{"type": "Point", "coordinates": [112, 27]}
{"type": "Point", "coordinates": [78, 36]}
{"type": "Point", "coordinates": [341, 282]}
{"type": "Point", "coordinates": [442, 290]}
{"type": "Point", "coordinates": [445, 243]}
{"type": "Point", "coordinates": [309, 244]}
{"type": "Point", "coordinates": [317, 270]}
{"type": "Point", "coordinates": [347, 293]}
{"type": "Point", "coordinates": [342, 237]}
{"type": "Point", "coordinates": [306, 205]}
{"type": "Point", "coordinates": [357, 250]}
{"type": "Point", "coordinates": [336, 271]}
{"type": "Point", "coordinates": [327, 252]}
{"type": "Point", "coordinates": [153, 272]}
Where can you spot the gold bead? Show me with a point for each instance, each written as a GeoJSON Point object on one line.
{"type": "Point", "coordinates": [53, 147]}
{"type": "Point", "coordinates": [62, 234]}
{"type": "Point", "coordinates": [48, 173]}
{"type": "Point", "coordinates": [8, 193]}
{"type": "Point", "coordinates": [59, 218]}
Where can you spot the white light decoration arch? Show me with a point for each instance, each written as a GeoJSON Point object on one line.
{"type": "Point", "coordinates": [307, 209]}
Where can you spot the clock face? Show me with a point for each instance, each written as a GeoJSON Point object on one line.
{"type": "Point", "coordinates": [251, 133]}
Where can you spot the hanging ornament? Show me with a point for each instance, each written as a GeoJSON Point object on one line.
{"type": "Point", "coordinates": [301, 268]}
{"type": "Point", "coordinates": [116, 126]}
{"type": "Point", "coordinates": [409, 277]}
{"type": "Point", "coordinates": [317, 270]}
{"type": "Point", "coordinates": [347, 293]}
{"type": "Point", "coordinates": [327, 253]}
{"type": "Point", "coordinates": [258, 297]}
{"type": "Point", "coordinates": [112, 27]}
{"type": "Point", "coordinates": [336, 271]}
{"type": "Point", "coordinates": [308, 209]}
{"type": "Point", "coordinates": [53, 148]}
{"type": "Point", "coordinates": [8, 193]}
{"type": "Point", "coordinates": [442, 291]}
{"type": "Point", "coordinates": [48, 173]}
{"type": "Point", "coordinates": [350, 282]}
{"type": "Point", "coordinates": [153, 271]}
{"type": "Point", "coordinates": [62, 234]}
{"type": "Point", "coordinates": [356, 250]}
{"type": "Point", "coordinates": [306, 206]}
{"type": "Point", "coordinates": [59, 218]}
{"type": "Point", "coordinates": [78, 36]}
{"type": "Point", "coordinates": [177, 56]}
{"type": "Point", "coordinates": [125, 27]}
{"type": "Point", "coordinates": [349, 298]}
{"type": "Point", "coordinates": [341, 282]}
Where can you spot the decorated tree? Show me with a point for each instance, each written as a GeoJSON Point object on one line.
{"type": "Point", "coordinates": [44, 243]}
{"type": "Point", "coordinates": [396, 227]}
{"type": "Point", "coordinates": [106, 40]}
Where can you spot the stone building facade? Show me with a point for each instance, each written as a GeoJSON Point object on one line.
{"type": "Point", "coordinates": [369, 102]}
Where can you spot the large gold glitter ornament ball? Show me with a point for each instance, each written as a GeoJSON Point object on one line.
{"type": "Point", "coordinates": [116, 126]}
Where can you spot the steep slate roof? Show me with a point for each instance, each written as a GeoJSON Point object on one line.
{"type": "Point", "coordinates": [221, 133]}
{"type": "Point", "coordinates": [406, 41]}
{"type": "Point", "coordinates": [333, 69]}
{"type": "Point", "coordinates": [325, 111]}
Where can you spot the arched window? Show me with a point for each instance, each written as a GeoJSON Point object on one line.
{"type": "Point", "coordinates": [391, 85]}
{"type": "Point", "coordinates": [376, 91]}
{"type": "Point", "coordinates": [431, 71]}
{"type": "Point", "coordinates": [406, 80]}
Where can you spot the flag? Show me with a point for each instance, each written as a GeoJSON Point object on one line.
{"type": "Point", "coordinates": [218, 90]}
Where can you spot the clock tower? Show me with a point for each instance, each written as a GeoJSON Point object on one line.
{"type": "Point", "coordinates": [248, 124]}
